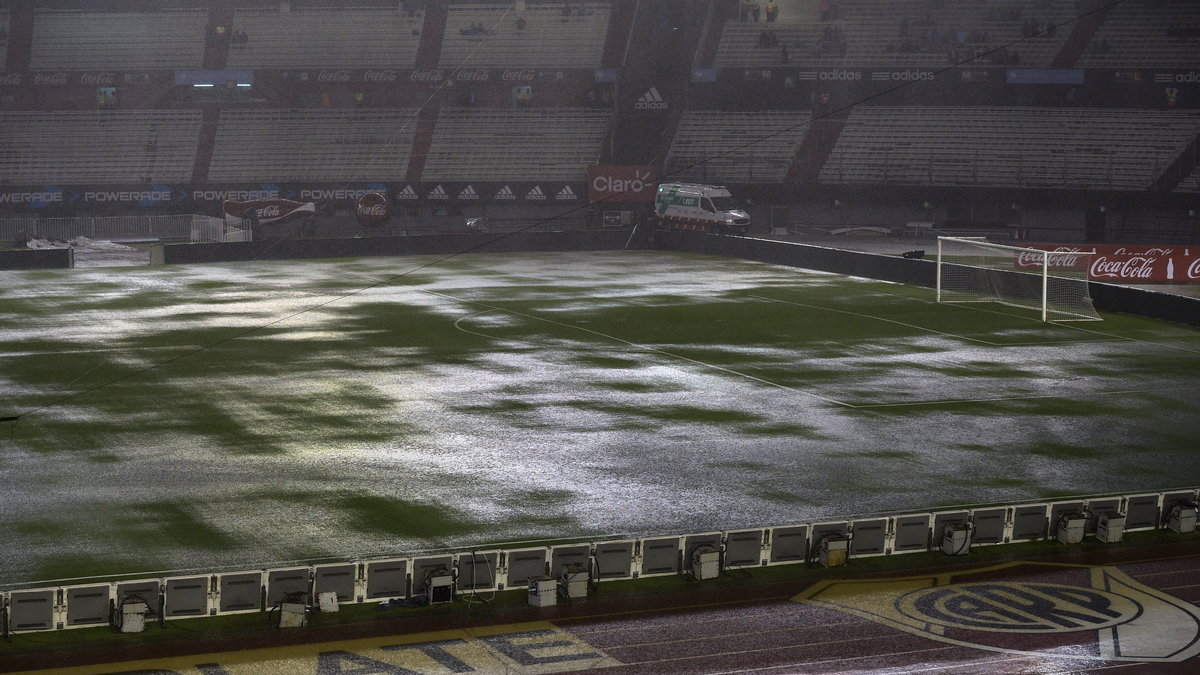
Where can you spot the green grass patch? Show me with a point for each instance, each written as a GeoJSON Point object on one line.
{"type": "Point", "coordinates": [607, 362]}
{"type": "Point", "coordinates": [168, 524]}
{"type": "Point", "coordinates": [402, 518]}
{"type": "Point", "coordinates": [772, 493]}
{"type": "Point", "coordinates": [782, 430]}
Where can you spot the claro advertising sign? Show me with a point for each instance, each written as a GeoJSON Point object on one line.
{"type": "Point", "coordinates": [621, 183]}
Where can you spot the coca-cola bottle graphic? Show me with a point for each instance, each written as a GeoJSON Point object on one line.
{"type": "Point", "coordinates": [1170, 269]}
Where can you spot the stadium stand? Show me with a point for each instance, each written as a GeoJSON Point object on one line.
{"type": "Point", "coordinates": [335, 145]}
{"type": "Point", "coordinates": [556, 35]}
{"type": "Point", "coordinates": [500, 145]}
{"type": "Point", "coordinates": [70, 39]}
{"type": "Point", "coordinates": [325, 37]}
{"type": "Point", "coordinates": [1008, 146]}
{"type": "Point", "coordinates": [4, 21]}
{"type": "Point", "coordinates": [1140, 33]}
{"type": "Point", "coordinates": [711, 146]}
{"type": "Point", "coordinates": [1191, 183]}
{"type": "Point", "coordinates": [903, 35]}
{"type": "Point", "coordinates": [111, 146]}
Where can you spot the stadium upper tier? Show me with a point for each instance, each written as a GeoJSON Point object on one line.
{"type": "Point", "coordinates": [1146, 33]}
{"type": "Point", "coordinates": [534, 144]}
{"type": "Point", "coordinates": [1008, 147]}
{"type": "Point", "coordinates": [71, 39]}
{"type": "Point", "coordinates": [318, 145]}
{"type": "Point", "coordinates": [552, 35]}
{"type": "Point", "coordinates": [4, 18]}
{"type": "Point", "coordinates": [109, 146]}
{"type": "Point", "coordinates": [325, 37]}
{"type": "Point", "coordinates": [735, 147]}
{"type": "Point", "coordinates": [905, 34]}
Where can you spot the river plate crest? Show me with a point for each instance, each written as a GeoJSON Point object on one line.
{"type": "Point", "coordinates": [1042, 609]}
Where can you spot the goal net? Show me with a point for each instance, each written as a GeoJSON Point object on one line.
{"type": "Point", "coordinates": [972, 269]}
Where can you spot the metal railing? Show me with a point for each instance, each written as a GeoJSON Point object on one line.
{"type": "Point", "coordinates": [109, 228]}
{"type": "Point", "coordinates": [179, 594]}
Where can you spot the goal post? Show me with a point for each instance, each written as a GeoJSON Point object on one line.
{"type": "Point", "coordinates": [973, 269]}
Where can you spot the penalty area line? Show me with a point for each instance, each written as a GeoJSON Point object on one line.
{"type": "Point", "coordinates": [634, 345]}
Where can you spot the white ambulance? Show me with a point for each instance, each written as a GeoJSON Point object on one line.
{"type": "Point", "coordinates": [708, 208]}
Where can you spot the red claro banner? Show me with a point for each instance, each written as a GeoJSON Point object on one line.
{"type": "Point", "coordinates": [621, 183]}
{"type": "Point", "coordinates": [1130, 264]}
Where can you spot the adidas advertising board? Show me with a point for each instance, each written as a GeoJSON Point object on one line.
{"type": "Point", "coordinates": [202, 198]}
{"type": "Point", "coordinates": [651, 100]}
{"type": "Point", "coordinates": [407, 194]}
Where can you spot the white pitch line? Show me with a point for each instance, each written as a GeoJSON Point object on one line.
{"type": "Point", "coordinates": [645, 348]}
{"type": "Point", "coordinates": [458, 325]}
{"type": "Point", "coordinates": [1111, 337]}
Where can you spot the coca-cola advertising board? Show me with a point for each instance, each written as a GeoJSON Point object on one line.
{"type": "Point", "coordinates": [372, 208]}
{"type": "Point", "coordinates": [621, 183]}
{"type": "Point", "coordinates": [268, 211]}
{"type": "Point", "coordinates": [1122, 263]}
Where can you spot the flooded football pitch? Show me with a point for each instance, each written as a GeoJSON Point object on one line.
{"type": "Point", "coordinates": [250, 413]}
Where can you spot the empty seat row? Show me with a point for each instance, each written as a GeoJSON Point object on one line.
{"type": "Point", "coordinates": [1017, 147]}
{"type": "Point", "coordinates": [548, 36]}
{"type": "Point", "coordinates": [735, 147]}
{"type": "Point", "coordinates": [128, 146]}
{"type": "Point", "coordinates": [317, 145]}
{"type": "Point", "coordinates": [535, 144]}
{"type": "Point", "coordinates": [66, 39]}
{"type": "Point", "coordinates": [325, 37]}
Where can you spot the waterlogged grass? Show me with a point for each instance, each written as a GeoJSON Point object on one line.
{"type": "Point", "coordinates": [880, 454]}
{"type": "Point", "coordinates": [607, 362]}
{"type": "Point", "coordinates": [1063, 450]}
{"type": "Point", "coordinates": [782, 430]}
{"type": "Point", "coordinates": [390, 516]}
{"type": "Point", "coordinates": [677, 414]}
{"type": "Point", "coordinates": [73, 565]}
{"type": "Point", "coordinates": [977, 447]}
{"type": "Point", "coordinates": [635, 387]}
{"type": "Point", "coordinates": [439, 389]}
{"type": "Point", "coordinates": [773, 493]}
{"type": "Point", "coordinates": [166, 524]}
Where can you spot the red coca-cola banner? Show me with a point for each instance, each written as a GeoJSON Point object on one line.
{"type": "Point", "coordinates": [268, 210]}
{"type": "Point", "coordinates": [621, 183]}
{"type": "Point", "coordinates": [1122, 263]}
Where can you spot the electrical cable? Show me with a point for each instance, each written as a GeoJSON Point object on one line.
{"type": "Point", "coordinates": [475, 596]}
